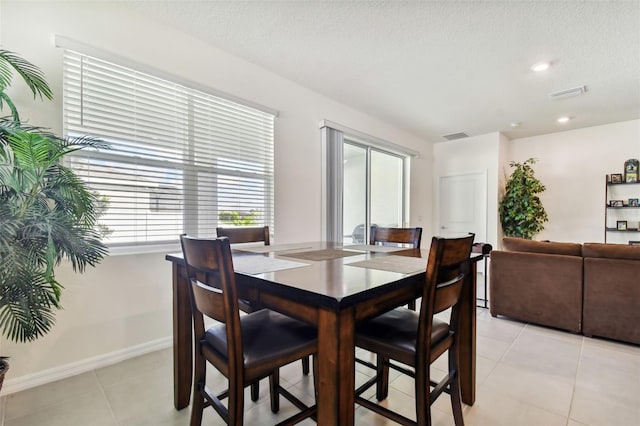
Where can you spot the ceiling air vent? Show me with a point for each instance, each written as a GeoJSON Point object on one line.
{"type": "Point", "coordinates": [454, 136]}
{"type": "Point", "coordinates": [575, 91]}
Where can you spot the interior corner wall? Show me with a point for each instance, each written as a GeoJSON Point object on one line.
{"type": "Point", "coordinates": [124, 305]}
{"type": "Point", "coordinates": [503, 166]}
{"type": "Point", "coordinates": [572, 165]}
{"type": "Point", "coordinates": [470, 155]}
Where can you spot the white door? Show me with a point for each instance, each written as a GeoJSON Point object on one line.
{"type": "Point", "coordinates": [463, 205]}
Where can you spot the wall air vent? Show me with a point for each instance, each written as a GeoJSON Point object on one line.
{"type": "Point", "coordinates": [575, 91]}
{"type": "Point", "coordinates": [454, 136]}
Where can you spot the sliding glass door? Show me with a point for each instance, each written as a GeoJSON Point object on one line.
{"type": "Point", "coordinates": [373, 191]}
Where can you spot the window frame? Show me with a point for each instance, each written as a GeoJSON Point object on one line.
{"type": "Point", "coordinates": [187, 166]}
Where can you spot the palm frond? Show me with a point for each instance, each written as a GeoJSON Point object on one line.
{"type": "Point", "coordinates": [31, 74]}
{"type": "Point", "coordinates": [4, 98]}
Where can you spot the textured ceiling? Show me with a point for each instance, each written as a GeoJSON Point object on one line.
{"type": "Point", "coordinates": [435, 68]}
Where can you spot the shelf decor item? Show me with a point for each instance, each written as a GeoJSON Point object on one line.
{"type": "Point", "coordinates": [631, 170]}
{"type": "Point", "coordinates": [633, 202]}
{"type": "Point", "coordinates": [521, 212]}
{"type": "Point", "coordinates": [621, 225]}
{"type": "Point", "coordinates": [616, 203]}
{"type": "Point", "coordinates": [616, 177]}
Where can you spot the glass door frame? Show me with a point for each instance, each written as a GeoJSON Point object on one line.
{"type": "Point", "coordinates": [368, 150]}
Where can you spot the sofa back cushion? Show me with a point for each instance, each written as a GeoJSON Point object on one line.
{"type": "Point", "coordinates": [611, 251]}
{"type": "Point", "coordinates": [543, 247]}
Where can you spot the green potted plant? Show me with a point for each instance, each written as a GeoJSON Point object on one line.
{"type": "Point", "coordinates": [47, 213]}
{"type": "Point", "coordinates": [521, 212]}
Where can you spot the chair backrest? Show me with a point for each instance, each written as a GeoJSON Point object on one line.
{"type": "Point", "coordinates": [396, 235]}
{"type": "Point", "coordinates": [447, 265]}
{"type": "Point", "coordinates": [245, 234]}
{"type": "Point", "coordinates": [213, 289]}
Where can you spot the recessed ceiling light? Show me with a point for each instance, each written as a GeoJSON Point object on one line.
{"type": "Point", "coordinates": [540, 66]}
{"type": "Point", "coordinates": [516, 124]}
{"type": "Point", "coordinates": [564, 119]}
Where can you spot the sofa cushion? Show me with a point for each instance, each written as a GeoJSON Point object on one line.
{"type": "Point", "coordinates": [544, 247]}
{"type": "Point", "coordinates": [611, 251]}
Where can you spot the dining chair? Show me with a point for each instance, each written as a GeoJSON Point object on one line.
{"type": "Point", "coordinates": [243, 348]}
{"type": "Point", "coordinates": [245, 234]}
{"type": "Point", "coordinates": [252, 235]}
{"type": "Point", "coordinates": [384, 235]}
{"type": "Point", "coordinates": [379, 234]}
{"type": "Point", "coordinates": [403, 336]}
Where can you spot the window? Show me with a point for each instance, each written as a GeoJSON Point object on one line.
{"type": "Point", "coordinates": [373, 190]}
{"type": "Point", "coordinates": [366, 181]}
{"type": "Point", "coordinates": [181, 160]}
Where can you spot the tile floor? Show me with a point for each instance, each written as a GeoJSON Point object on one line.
{"type": "Point", "coordinates": [527, 375]}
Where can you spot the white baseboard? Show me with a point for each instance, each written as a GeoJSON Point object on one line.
{"type": "Point", "coordinates": [12, 385]}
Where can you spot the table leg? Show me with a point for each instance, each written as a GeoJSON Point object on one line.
{"type": "Point", "coordinates": [182, 343]}
{"type": "Point", "coordinates": [336, 367]}
{"type": "Point", "coordinates": [468, 336]}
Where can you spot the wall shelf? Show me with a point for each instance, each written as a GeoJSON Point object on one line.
{"type": "Point", "coordinates": [622, 230]}
{"type": "Point", "coordinates": [621, 191]}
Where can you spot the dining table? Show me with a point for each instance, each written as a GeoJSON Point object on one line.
{"type": "Point", "coordinates": [332, 286]}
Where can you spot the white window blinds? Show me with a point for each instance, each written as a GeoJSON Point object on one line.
{"type": "Point", "coordinates": [181, 160]}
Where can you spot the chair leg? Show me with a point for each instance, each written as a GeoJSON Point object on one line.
{"type": "Point", "coordinates": [423, 395]}
{"type": "Point", "coordinates": [274, 384]}
{"type": "Point", "coordinates": [305, 365]}
{"type": "Point", "coordinates": [197, 406]}
{"type": "Point", "coordinates": [382, 372]}
{"type": "Point", "coordinates": [255, 391]}
{"type": "Point", "coordinates": [315, 376]}
{"type": "Point", "coordinates": [456, 399]}
{"type": "Point", "coordinates": [236, 404]}
{"type": "Point", "coordinates": [412, 305]}
{"type": "Point", "coordinates": [199, 380]}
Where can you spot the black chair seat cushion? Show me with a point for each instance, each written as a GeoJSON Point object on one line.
{"type": "Point", "coordinates": [394, 333]}
{"type": "Point", "coordinates": [266, 335]}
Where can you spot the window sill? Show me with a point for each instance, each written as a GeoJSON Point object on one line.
{"type": "Point", "coordinates": [144, 249]}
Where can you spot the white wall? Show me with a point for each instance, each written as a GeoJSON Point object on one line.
{"type": "Point", "coordinates": [471, 155]}
{"type": "Point", "coordinates": [572, 165]}
{"type": "Point", "coordinates": [124, 303]}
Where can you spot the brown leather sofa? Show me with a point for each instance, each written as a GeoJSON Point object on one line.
{"type": "Point", "coordinates": [592, 288]}
{"type": "Point", "coordinates": [611, 291]}
{"type": "Point", "coordinates": [538, 282]}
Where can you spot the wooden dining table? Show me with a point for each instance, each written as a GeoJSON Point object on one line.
{"type": "Point", "coordinates": [333, 287]}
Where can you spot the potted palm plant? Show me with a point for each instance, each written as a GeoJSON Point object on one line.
{"type": "Point", "coordinates": [47, 213]}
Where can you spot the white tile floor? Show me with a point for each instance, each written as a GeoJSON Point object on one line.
{"type": "Point", "coordinates": [527, 375]}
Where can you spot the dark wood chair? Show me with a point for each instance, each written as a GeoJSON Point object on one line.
{"type": "Point", "coordinates": [410, 236]}
{"type": "Point", "coordinates": [243, 348]}
{"type": "Point", "coordinates": [398, 236]}
{"type": "Point", "coordinates": [252, 235]}
{"type": "Point", "coordinates": [245, 234]}
{"type": "Point", "coordinates": [418, 339]}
